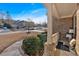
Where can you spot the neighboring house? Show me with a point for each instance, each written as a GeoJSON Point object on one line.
{"type": "Point", "coordinates": [62, 17]}
{"type": "Point", "coordinates": [24, 24]}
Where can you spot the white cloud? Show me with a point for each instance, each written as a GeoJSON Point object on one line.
{"type": "Point", "coordinates": [24, 16]}
{"type": "Point", "coordinates": [38, 10]}
{"type": "Point", "coordinates": [40, 19]}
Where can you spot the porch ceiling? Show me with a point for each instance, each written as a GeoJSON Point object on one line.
{"type": "Point", "coordinates": [63, 10]}
{"type": "Point", "coordinates": [66, 9]}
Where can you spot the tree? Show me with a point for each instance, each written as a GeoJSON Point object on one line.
{"type": "Point", "coordinates": [7, 25]}
{"type": "Point", "coordinates": [44, 24]}
{"type": "Point", "coordinates": [30, 24]}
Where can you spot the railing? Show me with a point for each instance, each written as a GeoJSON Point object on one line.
{"type": "Point", "coordinates": [55, 38]}
{"type": "Point", "coordinates": [50, 47]}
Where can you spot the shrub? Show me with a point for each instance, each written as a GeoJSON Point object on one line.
{"type": "Point", "coordinates": [34, 45]}
{"type": "Point", "coordinates": [43, 39]}
{"type": "Point", "coordinates": [31, 45]}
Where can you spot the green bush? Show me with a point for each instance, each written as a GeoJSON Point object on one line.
{"type": "Point", "coordinates": [34, 45]}
{"type": "Point", "coordinates": [43, 39]}
{"type": "Point", "coordinates": [31, 45]}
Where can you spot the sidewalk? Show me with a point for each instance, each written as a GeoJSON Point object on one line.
{"type": "Point", "coordinates": [12, 50]}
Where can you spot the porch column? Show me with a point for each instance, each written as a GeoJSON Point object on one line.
{"type": "Point", "coordinates": [49, 46]}
{"type": "Point", "coordinates": [77, 33]}
{"type": "Point", "coordinates": [50, 22]}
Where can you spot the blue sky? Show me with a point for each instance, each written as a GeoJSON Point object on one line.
{"type": "Point", "coordinates": [22, 11]}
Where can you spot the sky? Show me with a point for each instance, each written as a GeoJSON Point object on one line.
{"type": "Point", "coordinates": [24, 11]}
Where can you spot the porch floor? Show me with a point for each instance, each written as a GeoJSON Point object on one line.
{"type": "Point", "coordinates": [63, 49]}
{"type": "Point", "coordinates": [60, 52]}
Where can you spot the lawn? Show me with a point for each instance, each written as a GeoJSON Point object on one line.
{"type": "Point", "coordinates": [7, 40]}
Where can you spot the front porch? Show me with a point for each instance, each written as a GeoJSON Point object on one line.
{"type": "Point", "coordinates": [62, 28]}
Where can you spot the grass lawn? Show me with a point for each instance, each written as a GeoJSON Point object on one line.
{"type": "Point", "coordinates": [7, 40]}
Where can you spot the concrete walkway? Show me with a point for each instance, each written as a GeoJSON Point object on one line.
{"type": "Point", "coordinates": [13, 50]}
